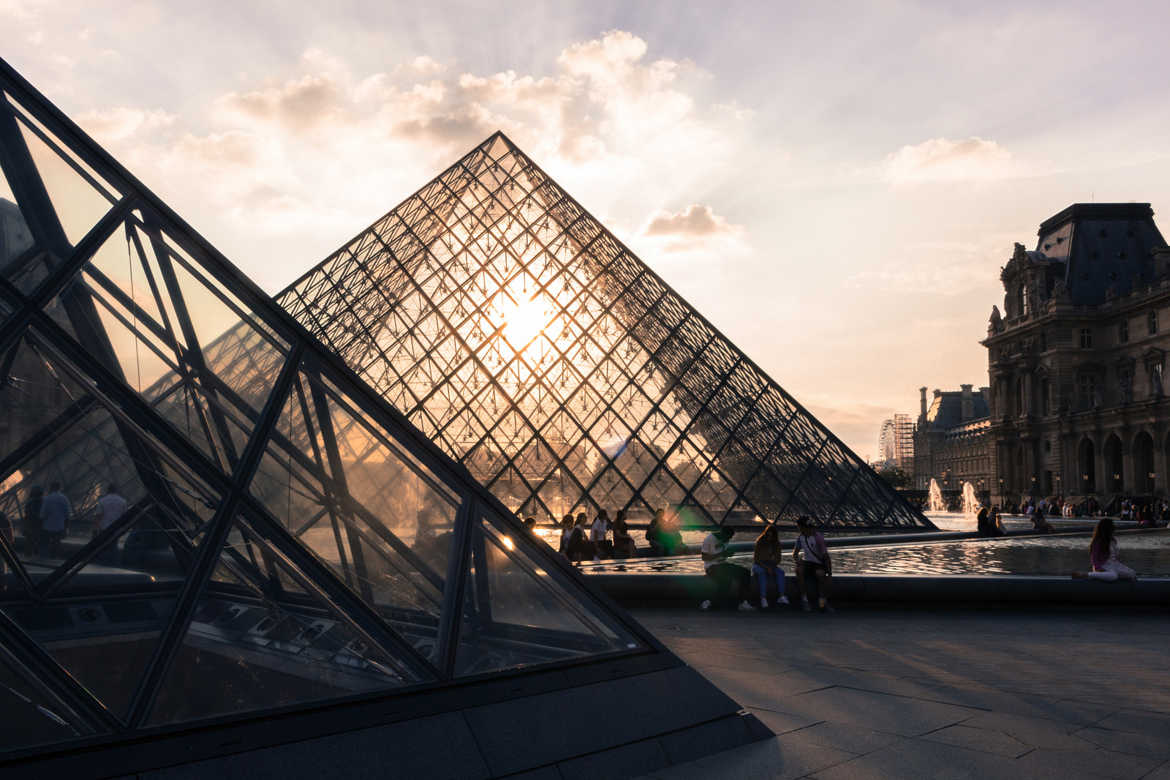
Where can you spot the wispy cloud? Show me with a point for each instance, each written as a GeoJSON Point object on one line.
{"type": "Point", "coordinates": [946, 159]}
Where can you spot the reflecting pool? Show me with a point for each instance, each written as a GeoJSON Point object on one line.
{"type": "Point", "coordinates": [1146, 552]}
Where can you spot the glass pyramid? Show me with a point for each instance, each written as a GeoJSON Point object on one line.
{"type": "Point", "coordinates": [519, 334]}
{"type": "Point", "coordinates": [204, 515]}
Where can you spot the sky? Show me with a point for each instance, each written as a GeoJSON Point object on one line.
{"type": "Point", "coordinates": [834, 185]}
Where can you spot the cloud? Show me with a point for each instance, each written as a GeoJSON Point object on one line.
{"type": "Point", "coordinates": [120, 123]}
{"type": "Point", "coordinates": [945, 159]}
{"type": "Point", "coordinates": [695, 221]}
{"type": "Point", "coordinates": [306, 157]}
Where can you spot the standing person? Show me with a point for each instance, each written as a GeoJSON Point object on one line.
{"type": "Point", "coordinates": [597, 536]}
{"type": "Point", "coordinates": [731, 581]}
{"type": "Point", "coordinates": [566, 532]}
{"type": "Point", "coordinates": [1103, 557]}
{"type": "Point", "coordinates": [623, 543]}
{"type": "Point", "coordinates": [579, 548]}
{"type": "Point", "coordinates": [55, 513]}
{"type": "Point", "coordinates": [32, 520]}
{"type": "Point", "coordinates": [111, 507]}
{"type": "Point", "coordinates": [766, 564]}
{"type": "Point", "coordinates": [812, 557]}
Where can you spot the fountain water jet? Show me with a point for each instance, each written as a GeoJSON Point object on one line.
{"type": "Point", "coordinates": [971, 505]}
{"type": "Point", "coordinates": [936, 500]}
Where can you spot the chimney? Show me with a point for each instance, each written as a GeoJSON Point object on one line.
{"type": "Point", "coordinates": [967, 409]}
{"type": "Point", "coordinates": [922, 403]}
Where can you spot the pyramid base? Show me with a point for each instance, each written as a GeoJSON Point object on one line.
{"type": "Point", "coordinates": [620, 718]}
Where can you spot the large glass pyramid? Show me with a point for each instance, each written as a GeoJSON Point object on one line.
{"type": "Point", "coordinates": [204, 515]}
{"type": "Point", "coordinates": [518, 333]}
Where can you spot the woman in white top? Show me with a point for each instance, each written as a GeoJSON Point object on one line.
{"type": "Point", "coordinates": [597, 533]}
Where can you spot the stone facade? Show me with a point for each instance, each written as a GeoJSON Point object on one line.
{"type": "Point", "coordinates": [951, 443]}
{"type": "Point", "coordinates": [1076, 360]}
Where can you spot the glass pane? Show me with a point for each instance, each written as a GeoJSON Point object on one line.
{"type": "Point", "coordinates": [145, 310]}
{"type": "Point", "coordinates": [32, 716]}
{"type": "Point", "coordinates": [105, 644]}
{"type": "Point", "coordinates": [516, 612]}
{"type": "Point", "coordinates": [266, 647]}
{"type": "Point", "coordinates": [78, 206]}
{"type": "Point", "coordinates": [76, 449]}
{"type": "Point", "coordinates": [369, 511]}
{"type": "Point", "coordinates": [15, 237]}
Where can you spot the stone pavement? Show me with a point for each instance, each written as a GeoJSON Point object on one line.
{"type": "Point", "coordinates": [954, 693]}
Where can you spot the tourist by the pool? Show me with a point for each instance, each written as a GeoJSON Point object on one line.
{"type": "Point", "coordinates": [623, 543]}
{"type": "Point", "coordinates": [1040, 522]}
{"type": "Point", "coordinates": [599, 536]}
{"type": "Point", "coordinates": [731, 581]}
{"type": "Point", "coordinates": [578, 546]}
{"type": "Point", "coordinates": [671, 534]}
{"type": "Point", "coordinates": [766, 565]}
{"type": "Point", "coordinates": [566, 532]}
{"type": "Point", "coordinates": [654, 533]}
{"type": "Point", "coordinates": [1103, 556]}
{"type": "Point", "coordinates": [812, 557]}
{"type": "Point", "coordinates": [988, 522]}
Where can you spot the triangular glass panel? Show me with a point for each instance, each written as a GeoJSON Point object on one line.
{"type": "Point", "coordinates": [32, 715]}
{"type": "Point", "coordinates": [517, 611]}
{"type": "Point", "coordinates": [270, 647]}
{"type": "Point", "coordinates": [104, 643]}
{"type": "Point", "coordinates": [70, 447]}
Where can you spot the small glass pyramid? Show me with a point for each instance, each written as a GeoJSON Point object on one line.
{"type": "Point", "coordinates": [204, 515]}
{"type": "Point", "coordinates": [521, 336]}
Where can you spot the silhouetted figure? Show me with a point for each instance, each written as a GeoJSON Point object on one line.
{"type": "Point", "coordinates": [732, 581]}
{"type": "Point", "coordinates": [1040, 522]}
{"type": "Point", "coordinates": [623, 543]}
{"type": "Point", "coordinates": [654, 533]}
{"type": "Point", "coordinates": [55, 513]}
{"type": "Point", "coordinates": [530, 525]}
{"type": "Point", "coordinates": [766, 565]}
{"type": "Point", "coordinates": [812, 558]}
{"type": "Point", "coordinates": [566, 532]}
{"type": "Point", "coordinates": [578, 546]}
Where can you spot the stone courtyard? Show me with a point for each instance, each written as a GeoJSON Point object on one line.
{"type": "Point", "coordinates": [959, 693]}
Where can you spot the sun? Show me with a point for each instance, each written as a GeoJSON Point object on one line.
{"type": "Point", "coordinates": [524, 323]}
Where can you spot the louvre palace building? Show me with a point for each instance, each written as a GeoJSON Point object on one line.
{"type": "Point", "coordinates": [1077, 359]}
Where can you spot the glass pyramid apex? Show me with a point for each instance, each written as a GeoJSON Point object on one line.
{"type": "Point", "coordinates": [204, 514]}
{"type": "Point", "coordinates": [522, 336]}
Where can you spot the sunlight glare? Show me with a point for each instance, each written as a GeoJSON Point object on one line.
{"type": "Point", "coordinates": [524, 323]}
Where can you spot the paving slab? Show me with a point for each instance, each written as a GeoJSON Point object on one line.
{"type": "Point", "coordinates": [786, 757]}
{"type": "Point", "coordinates": [922, 758]}
{"type": "Point", "coordinates": [896, 714]}
{"type": "Point", "coordinates": [983, 740]}
{"type": "Point", "coordinates": [1151, 745]}
{"type": "Point", "coordinates": [1034, 732]}
{"type": "Point", "coordinates": [848, 737]}
{"type": "Point", "coordinates": [1063, 764]}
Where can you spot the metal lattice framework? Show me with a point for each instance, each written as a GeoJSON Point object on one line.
{"type": "Point", "coordinates": [516, 331]}
{"type": "Point", "coordinates": [289, 537]}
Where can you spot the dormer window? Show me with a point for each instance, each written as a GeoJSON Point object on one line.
{"type": "Point", "coordinates": [1086, 338]}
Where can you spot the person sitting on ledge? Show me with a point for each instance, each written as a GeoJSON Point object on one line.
{"type": "Point", "coordinates": [1040, 523]}
{"type": "Point", "coordinates": [812, 557]}
{"type": "Point", "coordinates": [766, 565]}
{"type": "Point", "coordinates": [731, 581]}
{"type": "Point", "coordinates": [1106, 565]}
{"type": "Point", "coordinates": [654, 533]}
{"type": "Point", "coordinates": [623, 543]}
